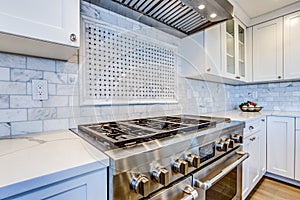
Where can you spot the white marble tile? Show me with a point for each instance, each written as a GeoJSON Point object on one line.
{"type": "Point", "coordinates": [13, 115]}
{"type": "Point", "coordinates": [66, 67]}
{"type": "Point", "coordinates": [68, 112]}
{"type": "Point", "coordinates": [4, 101]}
{"type": "Point", "coordinates": [40, 64]}
{"type": "Point", "coordinates": [67, 90]}
{"type": "Point", "coordinates": [56, 101]}
{"type": "Point", "coordinates": [58, 78]}
{"type": "Point", "coordinates": [12, 60]}
{"type": "Point", "coordinates": [29, 88]}
{"type": "Point", "coordinates": [72, 79]}
{"type": "Point", "coordinates": [18, 128]}
{"type": "Point", "coordinates": [5, 129]}
{"type": "Point", "coordinates": [56, 124]}
{"type": "Point", "coordinates": [52, 89]}
{"type": "Point", "coordinates": [21, 75]}
{"type": "Point", "coordinates": [22, 101]}
{"type": "Point", "coordinates": [41, 113]}
{"type": "Point", "coordinates": [89, 10]}
{"type": "Point", "coordinates": [4, 74]}
{"type": "Point", "coordinates": [12, 88]}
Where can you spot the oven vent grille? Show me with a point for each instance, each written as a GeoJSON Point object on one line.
{"type": "Point", "coordinates": [121, 67]}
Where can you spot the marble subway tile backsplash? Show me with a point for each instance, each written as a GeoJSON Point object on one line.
{"type": "Point", "coordinates": [284, 96]}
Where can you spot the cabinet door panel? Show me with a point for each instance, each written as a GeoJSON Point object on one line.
{"type": "Point", "coordinates": [51, 21]}
{"type": "Point", "coordinates": [291, 46]}
{"type": "Point", "coordinates": [267, 51]}
{"type": "Point", "coordinates": [212, 43]}
{"type": "Point", "coordinates": [297, 156]}
{"type": "Point", "coordinates": [280, 146]}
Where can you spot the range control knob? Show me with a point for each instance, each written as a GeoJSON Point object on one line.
{"type": "Point", "coordinates": [180, 166]}
{"type": "Point", "coordinates": [161, 176]}
{"type": "Point", "coordinates": [140, 185]}
{"type": "Point", "coordinates": [230, 142]}
{"type": "Point", "coordinates": [237, 138]}
{"type": "Point", "coordinates": [221, 146]}
{"type": "Point", "coordinates": [193, 160]}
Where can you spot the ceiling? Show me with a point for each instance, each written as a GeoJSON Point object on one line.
{"type": "Point", "coordinates": [255, 8]}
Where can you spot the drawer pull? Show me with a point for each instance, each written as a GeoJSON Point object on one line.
{"type": "Point", "coordinates": [251, 128]}
{"type": "Point", "coordinates": [252, 139]}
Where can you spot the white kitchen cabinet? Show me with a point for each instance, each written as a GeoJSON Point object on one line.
{"type": "Point", "coordinates": [40, 28]}
{"type": "Point", "coordinates": [268, 51]}
{"type": "Point", "coordinates": [222, 56]}
{"type": "Point", "coordinates": [291, 46]}
{"type": "Point", "coordinates": [213, 50]}
{"type": "Point", "coordinates": [88, 186]}
{"type": "Point", "coordinates": [234, 49]}
{"type": "Point", "coordinates": [255, 144]}
{"type": "Point", "coordinates": [280, 146]}
{"type": "Point", "coordinates": [297, 150]}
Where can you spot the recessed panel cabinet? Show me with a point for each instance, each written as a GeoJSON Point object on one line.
{"type": "Point", "coordinates": [267, 51]}
{"type": "Point", "coordinates": [281, 146]}
{"type": "Point", "coordinates": [297, 150]}
{"type": "Point", "coordinates": [90, 186]}
{"type": "Point", "coordinates": [40, 28]}
{"type": "Point", "coordinates": [292, 46]}
{"type": "Point", "coordinates": [255, 144]}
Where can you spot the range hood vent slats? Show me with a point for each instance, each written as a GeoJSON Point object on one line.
{"type": "Point", "coordinates": [177, 17]}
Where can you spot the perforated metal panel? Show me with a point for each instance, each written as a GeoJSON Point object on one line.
{"type": "Point", "coordinates": [122, 67]}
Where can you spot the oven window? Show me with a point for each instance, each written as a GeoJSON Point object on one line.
{"type": "Point", "coordinates": [224, 189]}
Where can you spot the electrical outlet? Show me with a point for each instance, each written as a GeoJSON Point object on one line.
{"type": "Point", "coordinates": [39, 89]}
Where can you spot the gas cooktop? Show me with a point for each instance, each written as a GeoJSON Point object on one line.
{"type": "Point", "coordinates": [129, 132]}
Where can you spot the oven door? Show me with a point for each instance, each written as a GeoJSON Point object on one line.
{"type": "Point", "coordinates": [221, 180]}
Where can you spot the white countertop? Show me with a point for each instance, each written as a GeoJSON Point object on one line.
{"type": "Point", "coordinates": [32, 156]}
{"type": "Point", "coordinates": [245, 116]}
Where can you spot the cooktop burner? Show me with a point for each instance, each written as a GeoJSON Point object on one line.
{"type": "Point", "coordinates": [124, 133]}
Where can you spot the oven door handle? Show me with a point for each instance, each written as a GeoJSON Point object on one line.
{"type": "Point", "coordinates": [207, 184]}
{"type": "Point", "coordinates": [192, 193]}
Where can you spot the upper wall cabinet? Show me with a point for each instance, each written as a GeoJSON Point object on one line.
{"type": "Point", "coordinates": [40, 28]}
{"type": "Point", "coordinates": [292, 46]}
{"type": "Point", "coordinates": [219, 53]}
{"type": "Point", "coordinates": [234, 49]}
{"type": "Point", "coordinates": [267, 51]}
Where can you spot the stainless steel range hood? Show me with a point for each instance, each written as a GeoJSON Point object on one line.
{"type": "Point", "coordinates": [177, 17]}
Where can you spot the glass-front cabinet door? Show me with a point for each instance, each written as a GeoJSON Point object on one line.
{"type": "Point", "coordinates": [230, 47]}
{"type": "Point", "coordinates": [234, 49]}
{"type": "Point", "coordinates": [241, 51]}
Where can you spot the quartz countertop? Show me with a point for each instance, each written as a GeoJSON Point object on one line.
{"type": "Point", "coordinates": [246, 116]}
{"type": "Point", "coordinates": [31, 157]}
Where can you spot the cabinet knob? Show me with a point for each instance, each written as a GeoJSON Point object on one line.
{"type": "Point", "coordinates": [262, 120]}
{"type": "Point", "coordinates": [73, 37]}
{"type": "Point", "coordinates": [208, 69]}
{"type": "Point", "coordinates": [238, 77]}
{"type": "Point", "coordinates": [279, 77]}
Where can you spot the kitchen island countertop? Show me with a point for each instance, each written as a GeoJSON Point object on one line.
{"type": "Point", "coordinates": [32, 160]}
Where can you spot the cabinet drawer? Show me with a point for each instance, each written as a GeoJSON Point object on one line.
{"type": "Point", "coordinates": [298, 123]}
{"type": "Point", "coordinates": [254, 126]}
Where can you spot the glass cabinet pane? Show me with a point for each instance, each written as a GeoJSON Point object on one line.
{"type": "Point", "coordinates": [241, 43]}
{"type": "Point", "coordinates": [230, 47]}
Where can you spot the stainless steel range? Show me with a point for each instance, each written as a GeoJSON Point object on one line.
{"type": "Point", "coordinates": [171, 157]}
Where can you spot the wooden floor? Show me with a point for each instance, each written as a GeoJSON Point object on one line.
{"type": "Point", "coordinates": [274, 190]}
